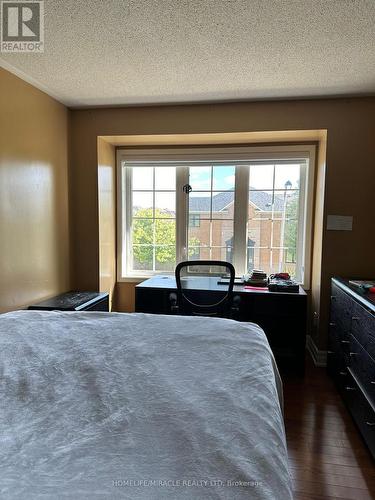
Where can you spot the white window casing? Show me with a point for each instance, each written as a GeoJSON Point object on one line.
{"type": "Point", "coordinates": [242, 158]}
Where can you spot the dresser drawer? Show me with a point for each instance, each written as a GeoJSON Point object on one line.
{"type": "Point", "coordinates": [338, 358]}
{"type": "Point", "coordinates": [361, 411]}
{"type": "Point", "coordinates": [363, 328]}
{"type": "Point", "coordinates": [341, 308]}
{"type": "Point", "coordinates": [340, 340]}
{"type": "Point", "coordinates": [363, 368]}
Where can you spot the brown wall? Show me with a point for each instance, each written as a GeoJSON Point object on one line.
{"type": "Point", "coordinates": [107, 216]}
{"type": "Point", "coordinates": [350, 172]}
{"type": "Point", "coordinates": [34, 222]}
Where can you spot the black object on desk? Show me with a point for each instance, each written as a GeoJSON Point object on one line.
{"type": "Point", "coordinates": [281, 315]}
{"type": "Point", "coordinates": [74, 301]}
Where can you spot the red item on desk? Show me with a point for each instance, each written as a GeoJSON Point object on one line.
{"type": "Point", "coordinates": [372, 289]}
{"type": "Point", "coordinates": [261, 288]}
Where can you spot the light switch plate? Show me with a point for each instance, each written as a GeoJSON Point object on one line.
{"type": "Point", "coordinates": [340, 222]}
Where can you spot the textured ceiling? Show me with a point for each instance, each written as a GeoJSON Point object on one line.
{"type": "Point", "coordinates": [163, 51]}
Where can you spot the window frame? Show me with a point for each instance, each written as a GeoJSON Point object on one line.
{"type": "Point", "coordinates": [200, 156]}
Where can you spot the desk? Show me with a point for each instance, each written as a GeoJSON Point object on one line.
{"type": "Point", "coordinates": [281, 315]}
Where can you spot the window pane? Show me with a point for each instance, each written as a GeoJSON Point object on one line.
{"type": "Point", "coordinates": [223, 178]}
{"type": "Point", "coordinates": [223, 205]}
{"type": "Point", "coordinates": [199, 253]}
{"type": "Point", "coordinates": [165, 204]}
{"type": "Point", "coordinates": [194, 220]}
{"type": "Point", "coordinates": [199, 235]}
{"type": "Point", "coordinates": [143, 231]}
{"type": "Point", "coordinates": [287, 176]}
{"type": "Point", "coordinates": [287, 204]}
{"type": "Point", "coordinates": [200, 178]}
{"type": "Point", "coordinates": [142, 204]}
{"type": "Point", "coordinates": [165, 232]}
{"type": "Point", "coordinates": [292, 205]}
{"type": "Point", "coordinates": [142, 178]}
{"type": "Point", "coordinates": [262, 259]}
{"type": "Point", "coordinates": [142, 258]}
{"type": "Point", "coordinates": [222, 233]}
{"type": "Point", "coordinates": [260, 232]}
{"type": "Point", "coordinates": [280, 262]}
{"type": "Point", "coordinates": [165, 258]}
{"type": "Point", "coordinates": [263, 201]}
{"type": "Point", "coordinates": [222, 253]}
{"type": "Point", "coordinates": [261, 176]}
{"type": "Point", "coordinates": [165, 178]}
{"type": "Point", "coordinates": [290, 240]}
{"type": "Point", "coordinates": [194, 253]}
{"type": "Point", "coordinates": [200, 203]}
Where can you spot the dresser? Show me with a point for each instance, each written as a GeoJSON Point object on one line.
{"type": "Point", "coordinates": [351, 353]}
{"type": "Point", "coordinates": [281, 315]}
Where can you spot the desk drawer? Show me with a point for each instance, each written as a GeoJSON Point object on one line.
{"type": "Point", "coordinates": [363, 328]}
{"type": "Point", "coordinates": [361, 411]}
{"type": "Point", "coordinates": [363, 368]}
{"type": "Point", "coordinates": [278, 306]}
{"type": "Point", "coordinates": [148, 300]}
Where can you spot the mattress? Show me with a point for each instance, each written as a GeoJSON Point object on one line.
{"type": "Point", "coordinates": [135, 406]}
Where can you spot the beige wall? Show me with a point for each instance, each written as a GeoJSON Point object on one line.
{"type": "Point", "coordinates": [350, 172]}
{"type": "Point", "coordinates": [34, 222]}
{"type": "Point", "coordinates": [107, 216]}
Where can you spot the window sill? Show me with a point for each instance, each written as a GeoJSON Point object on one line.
{"type": "Point", "coordinates": [139, 279]}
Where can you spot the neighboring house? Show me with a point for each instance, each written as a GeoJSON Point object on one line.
{"type": "Point", "coordinates": [211, 230]}
{"type": "Point", "coordinates": [263, 232]}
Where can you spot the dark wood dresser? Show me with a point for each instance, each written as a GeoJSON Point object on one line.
{"type": "Point", "coordinates": [281, 315]}
{"type": "Point", "coordinates": [74, 301]}
{"type": "Point", "coordinates": [351, 354]}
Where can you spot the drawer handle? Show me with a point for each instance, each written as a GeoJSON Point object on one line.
{"type": "Point", "coordinates": [353, 354]}
{"type": "Point", "coordinates": [370, 424]}
{"type": "Point", "coordinates": [343, 374]}
{"type": "Point", "coordinates": [333, 297]}
{"type": "Point", "coordinates": [345, 341]}
{"type": "Point", "coordinates": [350, 388]}
{"type": "Point", "coordinates": [355, 318]}
{"type": "Point", "coordinates": [330, 352]}
{"type": "Point", "coordinates": [332, 324]}
{"type": "Point", "coordinates": [372, 382]}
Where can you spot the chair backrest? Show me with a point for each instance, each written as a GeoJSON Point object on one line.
{"type": "Point", "coordinates": [195, 278]}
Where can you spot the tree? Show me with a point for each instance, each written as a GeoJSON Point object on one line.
{"type": "Point", "coordinates": [165, 236]}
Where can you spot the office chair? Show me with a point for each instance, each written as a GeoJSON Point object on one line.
{"type": "Point", "coordinates": [198, 291]}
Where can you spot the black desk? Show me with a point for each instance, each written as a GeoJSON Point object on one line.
{"type": "Point", "coordinates": [281, 315]}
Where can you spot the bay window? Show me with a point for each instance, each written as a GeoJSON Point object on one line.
{"type": "Point", "coordinates": [249, 206]}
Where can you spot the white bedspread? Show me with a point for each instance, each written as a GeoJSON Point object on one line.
{"type": "Point", "coordinates": [136, 406]}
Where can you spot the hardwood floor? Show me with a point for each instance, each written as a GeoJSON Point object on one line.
{"type": "Point", "coordinates": [327, 456]}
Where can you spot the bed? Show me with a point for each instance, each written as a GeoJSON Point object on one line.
{"type": "Point", "coordinates": [135, 406]}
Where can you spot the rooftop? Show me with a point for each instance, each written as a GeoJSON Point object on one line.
{"type": "Point", "coordinates": [260, 199]}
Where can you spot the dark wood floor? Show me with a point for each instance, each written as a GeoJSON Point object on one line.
{"type": "Point", "coordinates": [327, 457]}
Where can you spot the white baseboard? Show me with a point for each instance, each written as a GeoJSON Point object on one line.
{"type": "Point", "coordinates": [319, 357]}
